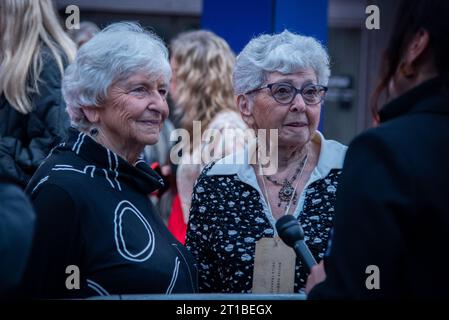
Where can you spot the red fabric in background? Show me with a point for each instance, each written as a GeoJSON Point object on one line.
{"type": "Point", "coordinates": [176, 223]}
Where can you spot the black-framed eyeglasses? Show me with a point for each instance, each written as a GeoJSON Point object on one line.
{"type": "Point", "coordinates": [285, 93]}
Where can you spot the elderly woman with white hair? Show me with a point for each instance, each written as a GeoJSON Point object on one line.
{"type": "Point", "coordinates": [97, 233]}
{"type": "Point", "coordinates": [280, 83]}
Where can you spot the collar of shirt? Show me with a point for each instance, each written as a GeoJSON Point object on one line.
{"type": "Point", "coordinates": [331, 156]}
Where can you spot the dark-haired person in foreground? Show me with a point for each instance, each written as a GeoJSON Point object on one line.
{"type": "Point", "coordinates": [392, 212]}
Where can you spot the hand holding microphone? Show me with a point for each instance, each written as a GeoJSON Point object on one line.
{"type": "Point", "coordinates": [292, 234]}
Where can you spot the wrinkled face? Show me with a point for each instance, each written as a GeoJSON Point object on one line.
{"type": "Point", "coordinates": [135, 110]}
{"type": "Point", "coordinates": [296, 122]}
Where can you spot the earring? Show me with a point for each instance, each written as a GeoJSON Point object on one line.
{"type": "Point", "coordinates": [93, 132]}
{"type": "Point", "coordinates": [406, 72]}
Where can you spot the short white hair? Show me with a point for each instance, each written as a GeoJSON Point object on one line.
{"type": "Point", "coordinates": [117, 52]}
{"type": "Point", "coordinates": [284, 52]}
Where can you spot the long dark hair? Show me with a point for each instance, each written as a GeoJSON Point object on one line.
{"type": "Point", "coordinates": [412, 15]}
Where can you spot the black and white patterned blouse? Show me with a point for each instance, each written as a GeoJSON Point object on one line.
{"type": "Point", "coordinates": [93, 212]}
{"type": "Point", "coordinates": [229, 214]}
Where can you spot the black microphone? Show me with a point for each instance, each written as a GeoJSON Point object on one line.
{"type": "Point", "coordinates": [292, 234]}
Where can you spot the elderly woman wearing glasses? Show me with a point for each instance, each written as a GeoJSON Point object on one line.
{"type": "Point", "coordinates": [279, 81]}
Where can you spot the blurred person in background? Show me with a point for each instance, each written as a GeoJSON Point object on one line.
{"type": "Point", "coordinates": [34, 51]}
{"type": "Point", "coordinates": [86, 31]}
{"type": "Point", "coordinates": [158, 157]}
{"type": "Point", "coordinates": [392, 213]}
{"type": "Point", "coordinates": [201, 89]}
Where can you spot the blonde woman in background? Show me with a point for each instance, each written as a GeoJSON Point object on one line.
{"type": "Point", "coordinates": [202, 90]}
{"type": "Point", "coordinates": [33, 53]}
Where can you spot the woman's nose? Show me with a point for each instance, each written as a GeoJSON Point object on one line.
{"type": "Point", "coordinates": [159, 104]}
{"type": "Point", "coordinates": [298, 104]}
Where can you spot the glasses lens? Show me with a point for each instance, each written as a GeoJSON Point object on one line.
{"type": "Point", "coordinates": [313, 94]}
{"type": "Point", "coordinates": [283, 93]}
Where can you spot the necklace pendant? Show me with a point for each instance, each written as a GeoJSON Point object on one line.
{"type": "Point", "coordinates": [286, 192]}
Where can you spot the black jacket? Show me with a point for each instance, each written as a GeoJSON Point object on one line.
{"type": "Point", "coordinates": [93, 212]}
{"type": "Point", "coordinates": [393, 204]}
{"type": "Point", "coordinates": [25, 140]}
{"type": "Point", "coordinates": [16, 232]}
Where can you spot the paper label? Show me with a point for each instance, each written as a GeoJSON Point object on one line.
{"type": "Point", "coordinates": [274, 267]}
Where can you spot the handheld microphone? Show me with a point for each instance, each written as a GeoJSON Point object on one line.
{"type": "Point", "coordinates": [292, 234]}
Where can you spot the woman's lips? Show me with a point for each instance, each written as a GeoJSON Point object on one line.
{"type": "Point", "coordinates": [297, 124]}
{"type": "Point", "coordinates": [153, 122]}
